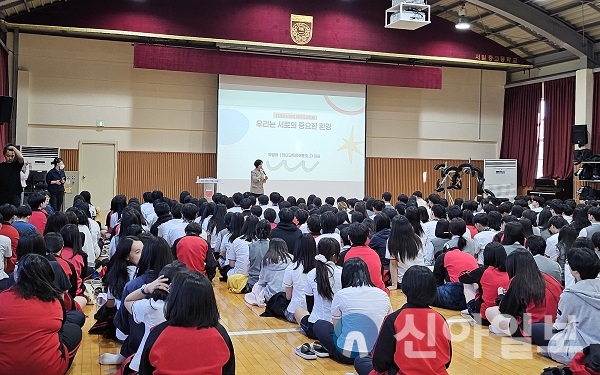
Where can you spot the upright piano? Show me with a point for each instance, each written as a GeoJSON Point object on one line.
{"type": "Point", "coordinates": [548, 188]}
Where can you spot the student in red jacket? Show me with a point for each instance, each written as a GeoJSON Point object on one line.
{"type": "Point", "coordinates": [192, 249]}
{"type": "Point", "coordinates": [532, 297]}
{"type": "Point", "coordinates": [39, 341]}
{"type": "Point", "coordinates": [449, 266]}
{"type": "Point", "coordinates": [415, 339]}
{"type": "Point", "coordinates": [489, 277]}
{"type": "Point", "coordinates": [358, 234]}
{"type": "Point", "coordinates": [192, 339]}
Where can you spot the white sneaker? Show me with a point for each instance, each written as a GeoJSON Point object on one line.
{"type": "Point", "coordinates": [498, 331]}
{"type": "Point", "coordinates": [111, 359]}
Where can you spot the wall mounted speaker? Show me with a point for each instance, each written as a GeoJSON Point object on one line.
{"type": "Point", "coordinates": [6, 108]}
{"type": "Point", "coordinates": [579, 135]}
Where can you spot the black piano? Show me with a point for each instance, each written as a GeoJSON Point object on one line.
{"type": "Point", "coordinates": [548, 188]}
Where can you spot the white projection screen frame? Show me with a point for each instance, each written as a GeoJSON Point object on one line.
{"type": "Point", "coordinates": [310, 136]}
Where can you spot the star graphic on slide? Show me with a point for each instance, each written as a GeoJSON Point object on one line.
{"type": "Point", "coordinates": [351, 145]}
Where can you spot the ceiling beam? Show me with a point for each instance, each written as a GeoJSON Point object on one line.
{"type": "Point", "coordinates": [539, 22]}
{"type": "Point", "coordinates": [11, 4]}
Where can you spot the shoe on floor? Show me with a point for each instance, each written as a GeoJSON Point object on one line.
{"type": "Point", "coordinates": [319, 350]}
{"type": "Point", "coordinates": [497, 331]}
{"type": "Point", "coordinates": [305, 352]}
{"type": "Point", "coordinates": [111, 359]}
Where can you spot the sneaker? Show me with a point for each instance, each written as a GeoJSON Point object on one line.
{"type": "Point", "coordinates": [497, 331]}
{"type": "Point", "coordinates": [319, 350]}
{"type": "Point", "coordinates": [305, 352]}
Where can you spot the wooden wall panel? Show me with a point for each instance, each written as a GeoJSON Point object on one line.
{"type": "Point", "coordinates": [71, 159]}
{"type": "Point", "coordinates": [172, 173]}
{"type": "Point", "coordinates": [169, 172]}
{"type": "Point", "coordinates": [406, 175]}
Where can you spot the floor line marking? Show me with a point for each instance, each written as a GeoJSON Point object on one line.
{"type": "Point", "coordinates": [264, 331]}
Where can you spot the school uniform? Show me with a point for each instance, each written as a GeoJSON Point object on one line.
{"type": "Point", "coordinates": [410, 327]}
{"type": "Point", "coordinates": [188, 351]}
{"type": "Point", "coordinates": [45, 344]}
{"type": "Point", "coordinates": [527, 313]}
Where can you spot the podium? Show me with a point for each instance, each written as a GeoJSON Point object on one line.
{"type": "Point", "coordinates": [207, 186]}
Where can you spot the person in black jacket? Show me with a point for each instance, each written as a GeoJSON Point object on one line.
{"type": "Point", "coordinates": [286, 229]}
{"type": "Point", "coordinates": [55, 178]}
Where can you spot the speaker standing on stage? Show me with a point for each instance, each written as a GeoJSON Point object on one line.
{"type": "Point", "coordinates": [55, 178]}
{"type": "Point", "coordinates": [257, 178]}
{"type": "Point", "coordinates": [10, 180]}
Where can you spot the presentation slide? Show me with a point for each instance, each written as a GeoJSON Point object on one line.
{"type": "Point", "coordinates": [309, 135]}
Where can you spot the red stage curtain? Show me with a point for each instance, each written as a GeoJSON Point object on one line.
{"type": "Point", "coordinates": [596, 115]}
{"type": "Point", "coordinates": [559, 96]}
{"type": "Point", "coordinates": [519, 132]}
{"type": "Point", "coordinates": [5, 127]}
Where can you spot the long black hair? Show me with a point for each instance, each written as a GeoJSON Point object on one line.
{"type": "Point", "coordinates": [513, 232]}
{"type": "Point", "coordinates": [117, 276]}
{"type": "Point", "coordinates": [277, 252]}
{"type": "Point", "coordinates": [330, 249]}
{"type": "Point", "coordinates": [216, 222]}
{"type": "Point", "coordinates": [35, 278]}
{"type": "Point", "coordinates": [249, 228]}
{"type": "Point", "coordinates": [235, 226]}
{"type": "Point", "coordinates": [30, 243]}
{"type": "Point", "coordinates": [527, 282]}
{"type": "Point", "coordinates": [169, 272]}
{"type": "Point", "coordinates": [305, 252]}
{"type": "Point", "coordinates": [263, 230]}
{"type": "Point", "coordinates": [413, 216]}
{"type": "Point", "coordinates": [494, 255]}
{"type": "Point", "coordinates": [72, 239]}
{"type": "Point", "coordinates": [55, 222]}
{"type": "Point", "coordinates": [183, 311]}
{"type": "Point", "coordinates": [355, 273]}
{"type": "Point", "coordinates": [458, 227]}
{"type": "Point", "coordinates": [156, 254]}
{"type": "Point", "coordinates": [403, 243]}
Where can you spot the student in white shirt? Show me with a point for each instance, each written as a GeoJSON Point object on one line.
{"type": "Point", "coordinates": [238, 254]}
{"type": "Point", "coordinates": [358, 307]}
{"type": "Point", "coordinates": [404, 249]}
{"type": "Point", "coordinates": [321, 285]}
{"type": "Point", "coordinates": [294, 278]}
{"type": "Point", "coordinates": [486, 234]}
{"type": "Point", "coordinates": [150, 311]}
{"type": "Point", "coordinates": [555, 224]}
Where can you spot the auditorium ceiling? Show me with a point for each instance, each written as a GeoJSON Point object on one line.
{"type": "Point", "coordinates": [543, 32]}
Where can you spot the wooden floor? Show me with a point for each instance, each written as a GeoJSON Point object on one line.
{"type": "Point", "coordinates": [475, 351]}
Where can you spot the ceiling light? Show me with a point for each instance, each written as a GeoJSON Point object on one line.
{"type": "Point", "coordinates": [463, 21]}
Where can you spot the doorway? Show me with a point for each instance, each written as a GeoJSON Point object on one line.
{"type": "Point", "coordinates": [98, 172]}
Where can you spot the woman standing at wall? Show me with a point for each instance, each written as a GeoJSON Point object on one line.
{"type": "Point", "coordinates": [55, 178]}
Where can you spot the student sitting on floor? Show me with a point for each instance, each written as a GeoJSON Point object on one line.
{"type": "Point", "coordinates": [487, 279]}
{"type": "Point", "coordinates": [578, 316]}
{"type": "Point", "coordinates": [405, 344]}
{"type": "Point", "coordinates": [321, 285]}
{"type": "Point", "coordinates": [270, 280]}
{"type": "Point", "coordinates": [257, 250]}
{"type": "Point", "coordinates": [358, 307]}
{"type": "Point", "coordinates": [448, 267]}
{"type": "Point", "coordinates": [238, 255]}
{"type": "Point", "coordinates": [192, 340]}
{"type": "Point", "coordinates": [404, 249]}
{"type": "Point", "coordinates": [294, 278]}
{"type": "Point", "coordinates": [150, 311]}
{"type": "Point", "coordinates": [38, 341]}
{"type": "Point", "coordinates": [532, 297]}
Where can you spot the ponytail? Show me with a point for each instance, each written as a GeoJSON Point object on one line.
{"type": "Point", "coordinates": [328, 249]}
{"type": "Point", "coordinates": [462, 242]}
